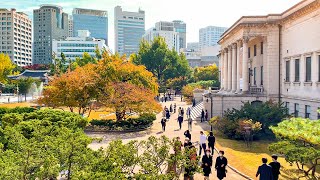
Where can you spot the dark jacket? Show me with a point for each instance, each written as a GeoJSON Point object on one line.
{"type": "Point", "coordinates": [180, 119]}
{"type": "Point", "coordinates": [275, 170]}
{"type": "Point", "coordinates": [163, 121]}
{"type": "Point", "coordinates": [188, 135]}
{"type": "Point", "coordinates": [206, 168]}
{"type": "Point", "coordinates": [265, 172]}
{"type": "Point", "coordinates": [202, 114]}
{"type": "Point", "coordinates": [221, 171]}
{"type": "Point", "coordinates": [211, 140]}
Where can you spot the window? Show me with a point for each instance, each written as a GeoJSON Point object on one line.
{"type": "Point", "coordinates": [296, 109]}
{"type": "Point", "coordinates": [307, 111]}
{"type": "Point", "coordinates": [297, 70]}
{"type": "Point", "coordinates": [248, 52]}
{"type": "Point", "coordinates": [250, 73]}
{"type": "Point", "coordinates": [254, 50]}
{"type": "Point", "coordinates": [287, 71]}
{"type": "Point", "coordinates": [308, 69]}
{"type": "Point", "coordinates": [254, 75]}
{"type": "Point", "coordinates": [261, 75]}
{"type": "Point", "coordinates": [261, 46]}
{"type": "Point", "coordinates": [288, 107]}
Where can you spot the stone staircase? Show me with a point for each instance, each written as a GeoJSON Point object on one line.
{"type": "Point", "coordinates": [196, 111]}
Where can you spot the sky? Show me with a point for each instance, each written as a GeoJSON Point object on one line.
{"type": "Point", "coordinates": [197, 14]}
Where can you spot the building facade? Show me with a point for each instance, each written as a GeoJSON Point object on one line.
{"type": "Point", "coordinates": [15, 36]}
{"type": "Point", "coordinates": [165, 30]}
{"type": "Point", "coordinates": [129, 28]}
{"type": "Point", "coordinates": [49, 22]}
{"type": "Point", "coordinates": [70, 27]}
{"type": "Point", "coordinates": [274, 57]}
{"type": "Point", "coordinates": [96, 21]}
{"type": "Point", "coordinates": [181, 28]}
{"type": "Point", "coordinates": [207, 56]}
{"type": "Point", "coordinates": [73, 47]}
{"type": "Point", "coordinates": [209, 36]}
{"type": "Point", "coordinates": [193, 46]}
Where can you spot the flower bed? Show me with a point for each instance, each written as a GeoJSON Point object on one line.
{"type": "Point", "coordinates": [132, 124]}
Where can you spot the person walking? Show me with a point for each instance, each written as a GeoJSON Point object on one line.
{"type": "Point", "coordinates": [193, 102]}
{"type": "Point", "coordinates": [202, 115]}
{"type": "Point", "coordinates": [181, 98]}
{"type": "Point", "coordinates": [190, 124]}
{"type": "Point", "coordinates": [167, 114]}
{"type": "Point", "coordinates": [187, 134]}
{"type": "Point", "coordinates": [275, 165]}
{"type": "Point", "coordinates": [174, 108]}
{"type": "Point", "coordinates": [206, 115]}
{"type": "Point", "coordinates": [171, 110]}
{"type": "Point", "coordinates": [180, 120]}
{"type": "Point", "coordinates": [202, 143]}
{"type": "Point", "coordinates": [211, 142]}
{"type": "Point", "coordinates": [179, 111]}
{"type": "Point", "coordinates": [220, 165]}
{"type": "Point", "coordinates": [163, 124]}
{"type": "Point", "coordinates": [188, 112]}
{"type": "Point", "coordinates": [264, 171]}
{"type": "Point", "coordinates": [182, 111]}
{"type": "Point", "coordinates": [187, 144]}
{"type": "Point", "coordinates": [206, 164]}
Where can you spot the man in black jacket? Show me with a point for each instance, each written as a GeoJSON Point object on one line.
{"type": "Point", "coordinates": [265, 171]}
{"type": "Point", "coordinates": [221, 163]}
{"type": "Point", "coordinates": [275, 165]}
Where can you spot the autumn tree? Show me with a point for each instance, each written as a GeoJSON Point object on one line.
{"type": "Point", "coordinates": [6, 67]}
{"type": "Point", "coordinates": [206, 73]}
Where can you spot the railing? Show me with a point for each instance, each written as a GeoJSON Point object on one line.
{"type": "Point", "coordinates": [256, 90]}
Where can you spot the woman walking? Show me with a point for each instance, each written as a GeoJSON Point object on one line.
{"type": "Point", "coordinates": [211, 142]}
{"type": "Point", "coordinates": [206, 164]}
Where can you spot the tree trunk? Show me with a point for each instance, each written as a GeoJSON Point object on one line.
{"type": "Point", "coordinates": [25, 97]}
{"type": "Point", "coordinates": [120, 115]}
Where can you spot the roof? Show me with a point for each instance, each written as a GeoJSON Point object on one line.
{"type": "Point", "coordinates": [36, 74]}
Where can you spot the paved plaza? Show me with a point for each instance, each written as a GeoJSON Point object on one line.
{"type": "Point", "coordinates": [172, 130]}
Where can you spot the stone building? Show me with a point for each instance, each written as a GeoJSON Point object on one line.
{"type": "Point", "coordinates": [273, 57]}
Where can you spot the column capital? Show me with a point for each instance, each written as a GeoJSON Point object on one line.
{"type": "Point", "coordinates": [239, 43]}
{"type": "Point", "coordinates": [234, 45]}
{"type": "Point", "coordinates": [245, 39]}
{"type": "Point", "coordinates": [230, 47]}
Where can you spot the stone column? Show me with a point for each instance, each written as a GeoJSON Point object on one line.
{"type": "Point", "coordinates": [225, 69]}
{"type": "Point", "coordinates": [234, 68]}
{"type": "Point", "coordinates": [221, 69]}
{"type": "Point", "coordinates": [238, 67]}
{"type": "Point", "coordinates": [229, 68]}
{"type": "Point", "coordinates": [245, 70]}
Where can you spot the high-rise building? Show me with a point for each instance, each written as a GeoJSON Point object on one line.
{"type": "Point", "coordinates": [49, 22]}
{"type": "Point", "coordinates": [193, 46]}
{"type": "Point", "coordinates": [15, 36]}
{"type": "Point", "coordinates": [129, 28]}
{"type": "Point", "coordinates": [95, 21]}
{"type": "Point", "coordinates": [209, 36]}
{"type": "Point", "coordinates": [70, 27]}
{"type": "Point", "coordinates": [181, 28]}
{"type": "Point", "coordinates": [73, 47]}
{"type": "Point", "coordinates": [165, 30]}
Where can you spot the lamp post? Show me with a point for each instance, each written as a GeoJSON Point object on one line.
{"type": "Point", "coordinates": [209, 94]}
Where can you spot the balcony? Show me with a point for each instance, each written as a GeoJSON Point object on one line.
{"type": "Point", "coordinates": [256, 90]}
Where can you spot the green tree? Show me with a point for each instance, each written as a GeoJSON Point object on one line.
{"type": "Point", "coordinates": [24, 85]}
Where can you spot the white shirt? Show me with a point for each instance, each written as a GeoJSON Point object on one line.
{"type": "Point", "coordinates": [203, 139]}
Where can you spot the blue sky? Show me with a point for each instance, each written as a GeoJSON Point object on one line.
{"type": "Point", "coordinates": [196, 14]}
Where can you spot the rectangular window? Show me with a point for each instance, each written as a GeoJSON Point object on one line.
{"type": "Point", "coordinates": [248, 52]}
{"type": "Point", "coordinates": [307, 111]}
{"type": "Point", "coordinates": [287, 71]}
{"type": "Point", "coordinates": [254, 76]}
{"type": "Point", "coordinates": [250, 73]}
{"type": "Point", "coordinates": [297, 70]}
{"type": "Point", "coordinates": [254, 50]}
{"type": "Point", "coordinates": [261, 75]}
{"type": "Point", "coordinates": [288, 107]}
{"type": "Point", "coordinates": [261, 46]}
{"type": "Point", "coordinates": [296, 109]}
{"type": "Point", "coordinates": [308, 69]}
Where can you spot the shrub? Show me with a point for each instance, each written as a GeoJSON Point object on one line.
{"type": "Point", "coordinates": [144, 121]}
{"type": "Point", "coordinates": [268, 114]}
{"type": "Point", "coordinates": [18, 110]}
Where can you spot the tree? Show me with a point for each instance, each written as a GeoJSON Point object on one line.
{"type": "Point", "coordinates": [164, 63]}
{"type": "Point", "coordinates": [6, 67]}
{"type": "Point", "coordinates": [24, 85]}
{"type": "Point", "coordinates": [299, 142]}
{"type": "Point", "coordinates": [210, 72]}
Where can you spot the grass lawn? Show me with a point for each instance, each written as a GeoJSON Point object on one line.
{"type": "Point", "coordinates": [247, 160]}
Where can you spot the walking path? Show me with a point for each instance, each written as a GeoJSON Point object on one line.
{"type": "Point", "coordinates": [172, 130]}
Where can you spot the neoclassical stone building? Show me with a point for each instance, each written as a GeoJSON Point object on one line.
{"type": "Point", "coordinates": [276, 57]}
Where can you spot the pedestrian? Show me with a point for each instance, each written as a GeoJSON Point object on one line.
{"type": "Point", "coordinates": [171, 110]}
{"type": "Point", "coordinates": [193, 102]}
{"type": "Point", "coordinates": [220, 166]}
{"type": "Point", "coordinates": [191, 165]}
{"type": "Point", "coordinates": [190, 124]}
{"type": "Point", "coordinates": [275, 165]}
{"type": "Point", "coordinates": [187, 144]}
{"type": "Point", "coordinates": [174, 108]}
{"type": "Point", "coordinates": [175, 93]}
{"type": "Point", "coordinates": [182, 112]}
{"type": "Point", "coordinates": [206, 115]}
{"type": "Point", "coordinates": [206, 164]}
{"type": "Point", "coordinates": [181, 98]}
{"type": "Point", "coordinates": [165, 99]}
{"type": "Point", "coordinates": [179, 111]}
{"type": "Point", "coordinates": [162, 99]}
{"type": "Point", "coordinates": [202, 115]}
{"type": "Point", "coordinates": [211, 142]}
{"type": "Point", "coordinates": [265, 171]}
{"type": "Point", "coordinates": [180, 120]}
{"type": "Point", "coordinates": [163, 124]}
{"type": "Point", "coordinates": [202, 144]}
{"type": "Point", "coordinates": [167, 114]}
{"type": "Point", "coordinates": [187, 134]}
{"type": "Point", "coordinates": [188, 112]}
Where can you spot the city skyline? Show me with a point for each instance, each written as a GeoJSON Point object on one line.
{"type": "Point", "coordinates": [194, 15]}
